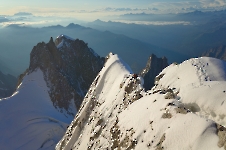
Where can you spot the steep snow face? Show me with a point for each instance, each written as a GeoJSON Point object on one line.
{"type": "Point", "coordinates": [28, 119]}
{"type": "Point", "coordinates": [118, 114]}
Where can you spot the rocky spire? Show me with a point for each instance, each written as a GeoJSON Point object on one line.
{"type": "Point", "coordinates": [217, 52]}
{"type": "Point", "coordinates": [69, 67]}
{"type": "Point", "coordinates": [153, 67]}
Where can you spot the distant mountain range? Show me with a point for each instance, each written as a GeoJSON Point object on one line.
{"type": "Point", "coordinates": [188, 33]}
{"type": "Point", "coordinates": [195, 16]}
{"type": "Point", "coordinates": [196, 32]}
{"type": "Point", "coordinates": [103, 42]}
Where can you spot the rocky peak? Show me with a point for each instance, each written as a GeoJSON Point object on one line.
{"type": "Point", "coordinates": [69, 67]}
{"type": "Point", "coordinates": [217, 52]}
{"type": "Point", "coordinates": [153, 67]}
{"type": "Point", "coordinates": [61, 38]}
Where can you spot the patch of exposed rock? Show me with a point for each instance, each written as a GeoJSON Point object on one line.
{"type": "Point", "coordinates": [221, 132]}
{"type": "Point", "coordinates": [69, 67]}
{"type": "Point", "coordinates": [153, 67]}
{"type": "Point", "coordinates": [217, 52]}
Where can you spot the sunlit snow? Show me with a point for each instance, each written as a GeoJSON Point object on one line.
{"type": "Point", "coordinates": [176, 114]}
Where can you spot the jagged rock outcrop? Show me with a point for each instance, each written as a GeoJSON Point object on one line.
{"type": "Point", "coordinates": [217, 52]}
{"type": "Point", "coordinates": [69, 67]}
{"type": "Point", "coordinates": [7, 85]}
{"type": "Point", "coordinates": [153, 67]}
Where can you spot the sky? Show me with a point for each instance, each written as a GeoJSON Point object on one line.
{"type": "Point", "coordinates": [73, 7]}
{"type": "Point", "coordinates": [90, 10]}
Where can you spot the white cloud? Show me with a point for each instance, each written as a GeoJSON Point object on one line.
{"type": "Point", "coordinates": [186, 6]}
{"type": "Point", "coordinates": [23, 14]}
{"type": "Point", "coordinates": [3, 19]}
{"type": "Point", "coordinates": [157, 23]}
{"type": "Point", "coordinates": [117, 9]}
{"type": "Point", "coordinates": [213, 3]}
{"type": "Point", "coordinates": [37, 21]}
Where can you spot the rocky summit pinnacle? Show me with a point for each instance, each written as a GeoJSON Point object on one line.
{"type": "Point", "coordinates": [69, 67]}
{"type": "Point", "coordinates": [153, 67]}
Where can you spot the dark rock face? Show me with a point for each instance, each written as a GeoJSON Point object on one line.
{"type": "Point", "coordinates": [7, 85]}
{"type": "Point", "coordinates": [153, 67]}
{"type": "Point", "coordinates": [217, 52]}
{"type": "Point", "coordinates": [69, 68]}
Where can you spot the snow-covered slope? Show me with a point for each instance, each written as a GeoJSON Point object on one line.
{"type": "Point", "coordinates": [118, 114]}
{"type": "Point", "coordinates": [28, 119]}
{"type": "Point", "coordinates": [201, 86]}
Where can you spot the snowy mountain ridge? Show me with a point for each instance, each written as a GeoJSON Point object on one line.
{"type": "Point", "coordinates": [201, 86]}
{"type": "Point", "coordinates": [184, 110]}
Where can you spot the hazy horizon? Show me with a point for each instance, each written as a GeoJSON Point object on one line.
{"type": "Point", "coordinates": [64, 12]}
